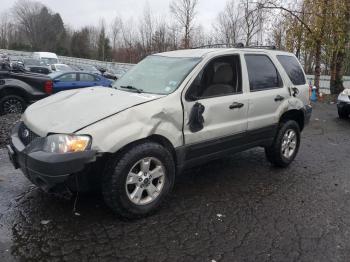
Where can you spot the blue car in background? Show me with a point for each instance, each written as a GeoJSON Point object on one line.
{"type": "Point", "coordinates": [71, 80]}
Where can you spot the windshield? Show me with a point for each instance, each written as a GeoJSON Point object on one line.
{"type": "Point", "coordinates": [63, 67]}
{"type": "Point", "coordinates": [157, 74]}
{"type": "Point", "coordinates": [54, 75]}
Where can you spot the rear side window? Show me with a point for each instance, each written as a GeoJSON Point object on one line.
{"type": "Point", "coordinates": [293, 69]}
{"type": "Point", "coordinates": [87, 78]}
{"type": "Point", "coordinates": [262, 73]}
{"type": "Point", "coordinates": [67, 78]}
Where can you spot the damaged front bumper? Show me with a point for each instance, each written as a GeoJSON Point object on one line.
{"type": "Point", "coordinates": [46, 170]}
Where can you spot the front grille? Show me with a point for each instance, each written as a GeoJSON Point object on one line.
{"type": "Point", "coordinates": [26, 135]}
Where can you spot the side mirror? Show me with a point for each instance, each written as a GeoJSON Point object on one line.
{"type": "Point", "coordinates": [56, 80]}
{"type": "Point", "coordinates": [196, 120]}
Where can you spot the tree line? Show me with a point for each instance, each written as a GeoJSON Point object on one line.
{"type": "Point", "coordinates": [317, 31]}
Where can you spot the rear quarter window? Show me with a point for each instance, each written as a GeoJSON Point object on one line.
{"type": "Point", "coordinates": [292, 67]}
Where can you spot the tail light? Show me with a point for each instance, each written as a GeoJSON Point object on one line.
{"type": "Point", "coordinates": [48, 87]}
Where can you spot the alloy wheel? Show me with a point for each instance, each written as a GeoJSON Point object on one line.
{"type": "Point", "coordinates": [145, 181]}
{"type": "Point", "coordinates": [12, 106]}
{"type": "Point", "coordinates": [289, 143]}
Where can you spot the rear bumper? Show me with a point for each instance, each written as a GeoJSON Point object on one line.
{"type": "Point", "coordinates": [307, 114]}
{"type": "Point", "coordinates": [344, 106]}
{"type": "Point", "coordinates": [46, 170]}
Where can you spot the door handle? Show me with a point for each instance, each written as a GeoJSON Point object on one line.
{"type": "Point", "coordinates": [279, 98]}
{"type": "Point", "coordinates": [236, 105]}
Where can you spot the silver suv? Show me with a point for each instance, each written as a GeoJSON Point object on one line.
{"type": "Point", "coordinates": [171, 111]}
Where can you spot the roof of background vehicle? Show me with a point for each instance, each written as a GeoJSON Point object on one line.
{"type": "Point", "coordinates": [58, 73]}
{"type": "Point", "coordinates": [215, 51]}
{"type": "Point", "coordinates": [46, 54]}
{"type": "Point", "coordinates": [61, 65]}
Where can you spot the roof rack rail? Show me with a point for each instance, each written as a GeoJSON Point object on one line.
{"type": "Point", "coordinates": [227, 45]}
{"type": "Point", "coordinates": [236, 45]}
{"type": "Point", "coordinates": [262, 46]}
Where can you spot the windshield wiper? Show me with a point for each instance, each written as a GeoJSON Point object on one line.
{"type": "Point", "coordinates": [138, 90]}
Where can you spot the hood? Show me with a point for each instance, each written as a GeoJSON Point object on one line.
{"type": "Point", "coordinates": [68, 111]}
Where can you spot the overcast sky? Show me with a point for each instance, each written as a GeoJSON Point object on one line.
{"type": "Point", "coordinates": [78, 13]}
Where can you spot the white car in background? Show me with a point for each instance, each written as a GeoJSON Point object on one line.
{"type": "Point", "coordinates": [343, 103]}
{"type": "Point", "coordinates": [47, 57]}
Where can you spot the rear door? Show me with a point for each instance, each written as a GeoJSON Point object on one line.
{"type": "Point", "coordinates": [267, 94]}
{"type": "Point", "coordinates": [65, 82]}
{"type": "Point", "coordinates": [86, 80]}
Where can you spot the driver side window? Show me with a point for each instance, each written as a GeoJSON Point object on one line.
{"type": "Point", "coordinates": [221, 76]}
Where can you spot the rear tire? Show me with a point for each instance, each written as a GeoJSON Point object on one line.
{"type": "Point", "coordinates": [286, 144]}
{"type": "Point", "coordinates": [12, 104]}
{"type": "Point", "coordinates": [128, 186]}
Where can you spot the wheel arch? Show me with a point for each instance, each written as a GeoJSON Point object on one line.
{"type": "Point", "coordinates": [159, 139]}
{"type": "Point", "coordinates": [13, 90]}
{"type": "Point", "coordinates": [296, 115]}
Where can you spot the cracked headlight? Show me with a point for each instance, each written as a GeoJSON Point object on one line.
{"type": "Point", "coordinates": [60, 143]}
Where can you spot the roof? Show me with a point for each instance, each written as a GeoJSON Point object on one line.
{"type": "Point", "coordinates": [205, 51]}
{"type": "Point", "coordinates": [46, 54]}
{"type": "Point", "coordinates": [61, 65]}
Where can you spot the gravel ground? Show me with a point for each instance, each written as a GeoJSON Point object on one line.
{"type": "Point", "coordinates": [6, 123]}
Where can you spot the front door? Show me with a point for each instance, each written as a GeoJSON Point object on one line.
{"type": "Point", "coordinates": [87, 80]}
{"type": "Point", "coordinates": [215, 108]}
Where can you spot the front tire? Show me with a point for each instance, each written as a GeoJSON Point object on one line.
{"type": "Point", "coordinates": [136, 182]}
{"type": "Point", "coordinates": [12, 104]}
{"type": "Point", "coordinates": [286, 144]}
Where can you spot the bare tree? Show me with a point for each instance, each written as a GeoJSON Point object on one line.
{"type": "Point", "coordinates": [227, 24]}
{"type": "Point", "coordinates": [161, 40]}
{"type": "Point", "coordinates": [6, 28]}
{"type": "Point", "coordinates": [115, 30]}
{"type": "Point", "coordinates": [174, 36]}
{"type": "Point", "coordinates": [26, 13]}
{"type": "Point", "coordinates": [42, 28]}
{"type": "Point", "coordinates": [251, 21]}
{"type": "Point", "coordinates": [184, 12]}
{"type": "Point", "coordinates": [146, 29]}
